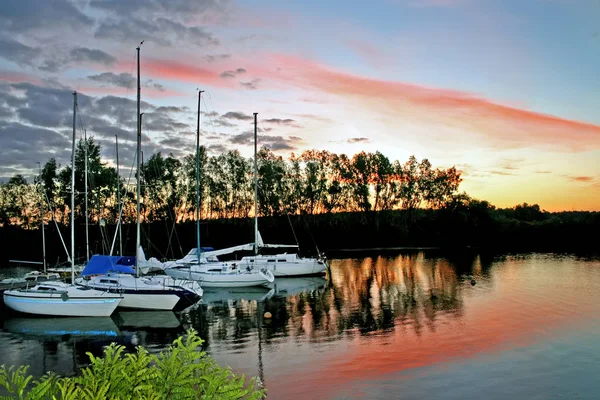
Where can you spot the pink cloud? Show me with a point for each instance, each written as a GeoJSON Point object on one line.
{"type": "Point", "coordinates": [120, 91]}
{"type": "Point", "coordinates": [179, 71]}
{"type": "Point", "coordinates": [16, 77]}
{"type": "Point", "coordinates": [506, 126]}
{"type": "Point", "coordinates": [581, 178]}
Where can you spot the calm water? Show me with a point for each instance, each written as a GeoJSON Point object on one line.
{"type": "Point", "coordinates": [407, 326]}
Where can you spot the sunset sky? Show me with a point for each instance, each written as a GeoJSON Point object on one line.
{"type": "Point", "coordinates": [507, 91]}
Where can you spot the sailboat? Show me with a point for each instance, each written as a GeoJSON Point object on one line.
{"type": "Point", "coordinates": [114, 274]}
{"type": "Point", "coordinates": [204, 266]}
{"type": "Point", "coordinates": [282, 264]}
{"type": "Point", "coordinates": [59, 298]}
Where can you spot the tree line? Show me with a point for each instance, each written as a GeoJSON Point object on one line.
{"type": "Point", "coordinates": [313, 182]}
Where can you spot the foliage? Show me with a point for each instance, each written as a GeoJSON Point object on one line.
{"type": "Point", "coordinates": [181, 372]}
{"type": "Point", "coordinates": [312, 183]}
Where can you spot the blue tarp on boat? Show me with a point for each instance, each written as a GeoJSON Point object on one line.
{"type": "Point", "coordinates": [100, 264]}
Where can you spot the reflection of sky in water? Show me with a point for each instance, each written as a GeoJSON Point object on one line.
{"type": "Point", "coordinates": [410, 324]}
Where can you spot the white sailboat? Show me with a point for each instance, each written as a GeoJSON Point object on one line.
{"type": "Point", "coordinates": [58, 298]}
{"type": "Point", "coordinates": [282, 264]}
{"type": "Point", "coordinates": [111, 274]}
{"type": "Point", "coordinates": [204, 266]}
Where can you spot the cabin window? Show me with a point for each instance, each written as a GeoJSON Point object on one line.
{"type": "Point", "coordinates": [281, 260]}
{"type": "Point", "coordinates": [108, 281]}
{"type": "Point", "coordinates": [271, 260]}
{"type": "Point", "coordinates": [50, 289]}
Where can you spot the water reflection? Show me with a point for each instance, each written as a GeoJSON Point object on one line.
{"type": "Point", "coordinates": [374, 315]}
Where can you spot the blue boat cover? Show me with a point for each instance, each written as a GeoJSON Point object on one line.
{"type": "Point", "coordinates": [100, 264]}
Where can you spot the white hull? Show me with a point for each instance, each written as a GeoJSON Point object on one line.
{"type": "Point", "coordinates": [152, 301]}
{"type": "Point", "coordinates": [138, 293]}
{"type": "Point", "coordinates": [221, 280]}
{"type": "Point", "coordinates": [76, 302]}
{"type": "Point", "coordinates": [300, 269]}
{"type": "Point", "coordinates": [285, 265]}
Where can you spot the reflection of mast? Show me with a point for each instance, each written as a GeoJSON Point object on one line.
{"type": "Point", "coordinates": [259, 321]}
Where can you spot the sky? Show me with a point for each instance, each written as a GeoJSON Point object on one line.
{"type": "Point", "coordinates": [507, 91]}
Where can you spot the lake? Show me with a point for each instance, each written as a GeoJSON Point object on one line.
{"type": "Point", "coordinates": [401, 326]}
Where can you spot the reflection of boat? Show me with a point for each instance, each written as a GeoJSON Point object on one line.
{"type": "Point", "coordinates": [147, 319]}
{"type": "Point", "coordinates": [249, 293]}
{"type": "Point", "coordinates": [80, 326]}
{"type": "Point", "coordinates": [291, 286]}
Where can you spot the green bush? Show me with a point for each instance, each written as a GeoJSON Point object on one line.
{"type": "Point", "coordinates": [181, 372]}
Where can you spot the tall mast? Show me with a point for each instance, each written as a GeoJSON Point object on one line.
{"type": "Point", "coordinates": [255, 190]}
{"type": "Point", "coordinates": [119, 198]}
{"type": "Point", "coordinates": [198, 178]}
{"type": "Point", "coordinates": [73, 193]}
{"type": "Point", "coordinates": [87, 238]}
{"type": "Point", "coordinates": [139, 144]}
{"type": "Point", "coordinates": [43, 211]}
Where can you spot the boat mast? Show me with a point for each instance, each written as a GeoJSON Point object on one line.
{"type": "Point", "coordinates": [137, 236]}
{"type": "Point", "coordinates": [43, 211]}
{"type": "Point", "coordinates": [87, 238]}
{"type": "Point", "coordinates": [73, 192]}
{"type": "Point", "coordinates": [119, 198]}
{"type": "Point", "coordinates": [198, 179]}
{"type": "Point", "coordinates": [255, 190]}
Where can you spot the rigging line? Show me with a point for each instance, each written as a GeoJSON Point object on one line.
{"type": "Point", "coordinates": [209, 117]}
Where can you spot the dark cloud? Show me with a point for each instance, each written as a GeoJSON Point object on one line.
{"type": "Point", "coordinates": [279, 121]}
{"type": "Point", "coordinates": [358, 140]}
{"type": "Point", "coordinates": [177, 143]}
{"type": "Point", "coordinates": [218, 148]}
{"type": "Point", "coordinates": [17, 52]}
{"type": "Point", "coordinates": [155, 86]}
{"type": "Point", "coordinates": [250, 85]}
{"type": "Point", "coordinates": [273, 142]}
{"type": "Point", "coordinates": [224, 123]}
{"type": "Point", "coordinates": [161, 31]}
{"type": "Point", "coordinates": [240, 116]}
{"type": "Point", "coordinates": [172, 109]}
{"type": "Point", "coordinates": [83, 54]}
{"type": "Point", "coordinates": [44, 129]}
{"type": "Point", "coordinates": [21, 146]}
{"type": "Point", "coordinates": [227, 74]}
{"type": "Point", "coordinates": [211, 114]}
{"type": "Point", "coordinates": [160, 7]}
{"type": "Point", "coordinates": [286, 122]}
{"type": "Point", "coordinates": [156, 121]}
{"type": "Point", "coordinates": [215, 57]}
{"type": "Point", "coordinates": [232, 73]}
{"type": "Point", "coordinates": [27, 15]}
{"type": "Point", "coordinates": [123, 79]}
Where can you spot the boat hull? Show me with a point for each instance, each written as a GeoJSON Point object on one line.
{"type": "Point", "coordinates": [53, 304]}
{"type": "Point", "coordinates": [290, 270]}
{"type": "Point", "coordinates": [139, 300]}
{"type": "Point", "coordinates": [216, 280]}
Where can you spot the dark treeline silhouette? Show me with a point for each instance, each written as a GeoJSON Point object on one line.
{"type": "Point", "coordinates": [314, 182]}
{"type": "Point", "coordinates": [332, 201]}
